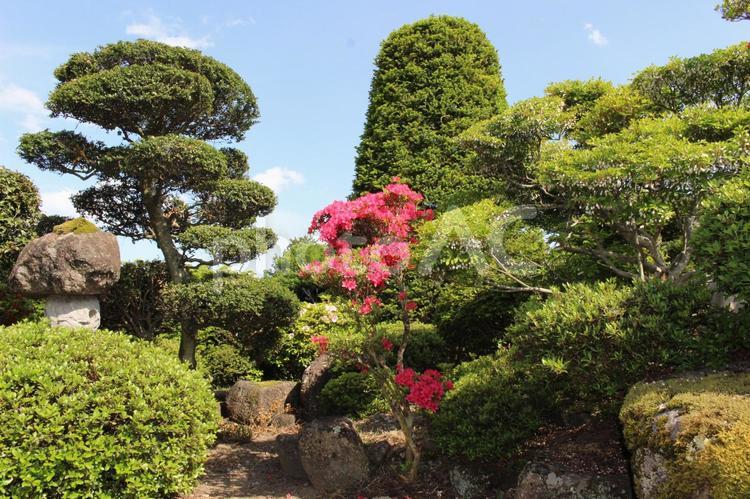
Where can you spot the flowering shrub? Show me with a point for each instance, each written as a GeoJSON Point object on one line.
{"type": "Point", "coordinates": [368, 249]}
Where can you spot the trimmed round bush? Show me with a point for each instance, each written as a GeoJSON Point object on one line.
{"type": "Point", "coordinates": [494, 406]}
{"type": "Point", "coordinates": [352, 394]}
{"type": "Point", "coordinates": [95, 414]}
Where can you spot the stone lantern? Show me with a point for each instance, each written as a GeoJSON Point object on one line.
{"type": "Point", "coordinates": [70, 267]}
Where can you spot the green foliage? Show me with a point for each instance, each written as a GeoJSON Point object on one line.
{"type": "Point", "coordinates": [481, 240]}
{"type": "Point", "coordinates": [75, 226]}
{"type": "Point", "coordinates": [165, 102]}
{"type": "Point", "coordinates": [734, 10]}
{"type": "Point", "coordinates": [720, 78]}
{"type": "Point", "coordinates": [708, 450]}
{"type": "Point", "coordinates": [352, 394]}
{"type": "Point", "coordinates": [493, 408]}
{"type": "Point", "coordinates": [433, 79]}
{"type": "Point", "coordinates": [472, 320]}
{"type": "Point", "coordinates": [226, 364]}
{"type": "Point", "coordinates": [608, 336]}
{"type": "Point", "coordinates": [135, 304]}
{"type": "Point", "coordinates": [286, 267]}
{"type": "Point", "coordinates": [295, 351]}
{"type": "Point", "coordinates": [19, 214]}
{"type": "Point", "coordinates": [426, 348]}
{"type": "Point", "coordinates": [14, 307]}
{"type": "Point", "coordinates": [642, 187]}
{"type": "Point", "coordinates": [579, 96]}
{"type": "Point", "coordinates": [91, 413]}
{"type": "Point", "coordinates": [723, 238]}
{"type": "Point", "coordinates": [48, 222]}
{"type": "Point", "coordinates": [149, 88]}
{"type": "Point", "coordinates": [255, 310]}
{"type": "Point", "coordinates": [610, 113]}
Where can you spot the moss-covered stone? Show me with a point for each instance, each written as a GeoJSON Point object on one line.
{"type": "Point", "coordinates": [75, 226]}
{"type": "Point", "coordinates": [690, 436]}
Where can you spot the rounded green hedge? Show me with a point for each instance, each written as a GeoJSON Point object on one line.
{"type": "Point", "coordinates": [95, 414]}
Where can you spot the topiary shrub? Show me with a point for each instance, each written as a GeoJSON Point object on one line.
{"type": "Point", "coordinates": [226, 364]}
{"type": "Point", "coordinates": [254, 310]}
{"type": "Point", "coordinates": [690, 436]}
{"type": "Point", "coordinates": [223, 359]}
{"type": "Point", "coordinates": [495, 405]}
{"type": "Point", "coordinates": [352, 394]}
{"type": "Point", "coordinates": [135, 304]}
{"type": "Point", "coordinates": [93, 413]}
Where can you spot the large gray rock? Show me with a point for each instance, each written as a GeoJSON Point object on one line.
{"type": "Point", "coordinates": [258, 403]}
{"type": "Point", "coordinates": [688, 435]}
{"type": "Point", "coordinates": [73, 311]}
{"type": "Point", "coordinates": [317, 374]}
{"type": "Point", "coordinates": [67, 264]}
{"type": "Point", "coordinates": [333, 455]}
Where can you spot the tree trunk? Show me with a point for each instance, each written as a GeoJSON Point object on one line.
{"type": "Point", "coordinates": [175, 266]}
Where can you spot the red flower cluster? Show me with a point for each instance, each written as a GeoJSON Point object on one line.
{"type": "Point", "coordinates": [388, 213]}
{"type": "Point", "coordinates": [425, 390]}
{"type": "Point", "coordinates": [387, 344]}
{"type": "Point", "coordinates": [381, 225]}
{"type": "Point", "coordinates": [322, 343]}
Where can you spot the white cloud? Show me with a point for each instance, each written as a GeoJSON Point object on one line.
{"type": "Point", "coordinates": [239, 21]}
{"type": "Point", "coordinates": [279, 178]}
{"type": "Point", "coordinates": [24, 102]}
{"type": "Point", "coordinates": [596, 36]}
{"type": "Point", "coordinates": [58, 203]}
{"type": "Point", "coordinates": [173, 34]}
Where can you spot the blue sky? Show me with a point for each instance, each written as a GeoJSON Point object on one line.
{"type": "Point", "coordinates": [310, 64]}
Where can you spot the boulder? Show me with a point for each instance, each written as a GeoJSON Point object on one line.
{"type": "Point", "coordinates": [546, 481]}
{"type": "Point", "coordinates": [67, 264]}
{"type": "Point", "coordinates": [333, 455]}
{"type": "Point", "coordinates": [467, 483]}
{"type": "Point", "coordinates": [257, 403]}
{"type": "Point", "coordinates": [73, 311]}
{"type": "Point", "coordinates": [317, 374]}
{"type": "Point", "coordinates": [287, 445]}
{"type": "Point", "coordinates": [689, 436]}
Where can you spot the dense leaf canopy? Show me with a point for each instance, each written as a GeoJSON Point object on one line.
{"type": "Point", "coordinates": [433, 79]}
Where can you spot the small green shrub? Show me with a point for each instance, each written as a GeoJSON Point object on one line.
{"type": "Point", "coordinates": [352, 394]}
{"type": "Point", "coordinates": [226, 364]}
{"type": "Point", "coordinates": [95, 414]}
{"type": "Point", "coordinates": [14, 307]}
{"type": "Point", "coordinates": [494, 407]}
{"type": "Point", "coordinates": [722, 241]}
